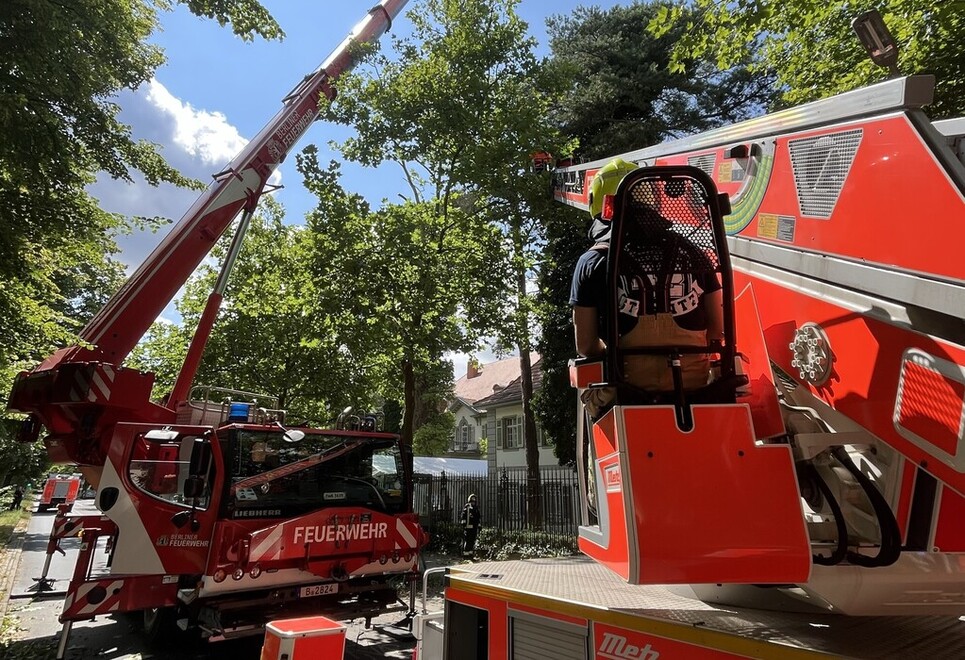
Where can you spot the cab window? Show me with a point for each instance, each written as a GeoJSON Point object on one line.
{"type": "Point", "coordinates": [160, 467]}
{"type": "Point", "coordinates": [273, 477]}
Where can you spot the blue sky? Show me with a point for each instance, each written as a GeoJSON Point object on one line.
{"type": "Point", "coordinates": [216, 91]}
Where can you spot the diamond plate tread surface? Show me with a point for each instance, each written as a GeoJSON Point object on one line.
{"type": "Point", "coordinates": [583, 581]}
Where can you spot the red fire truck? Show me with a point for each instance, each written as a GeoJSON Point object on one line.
{"type": "Point", "coordinates": [216, 515]}
{"type": "Point", "coordinates": [59, 489]}
{"type": "Point", "coordinates": [809, 503]}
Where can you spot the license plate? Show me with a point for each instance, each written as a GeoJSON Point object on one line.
{"type": "Point", "coordinates": [318, 590]}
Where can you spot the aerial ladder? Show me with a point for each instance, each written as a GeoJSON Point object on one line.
{"type": "Point", "coordinates": [809, 502]}
{"type": "Point", "coordinates": [218, 516]}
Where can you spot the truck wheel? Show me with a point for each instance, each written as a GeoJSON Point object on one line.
{"type": "Point", "coordinates": [159, 625]}
{"type": "Point", "coordinates": [41, 508]}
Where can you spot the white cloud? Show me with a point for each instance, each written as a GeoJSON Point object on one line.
{"type": "Point", "coordinates": [196, 142]}
{"type": "Point", "coordinates": [204, 135]}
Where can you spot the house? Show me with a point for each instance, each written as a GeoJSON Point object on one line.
{"type": "Point", "coordinates": [479, 382]}
{"type": "Point", "coordinates": [489, 406]}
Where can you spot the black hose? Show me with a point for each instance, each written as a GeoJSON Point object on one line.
{"type": "Point", "coordinates": [890, 548]}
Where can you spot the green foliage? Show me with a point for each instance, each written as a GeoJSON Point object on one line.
{"type": "Point", "coordinates": [394, 283]}
{"type": "Point", "coordinates": [162, 352]}
{"type": "Point", "coordinates": [446, 537]}
{"type": "Point", "coordinates": [433, 438]}
{"type": "Point", "coordinates": [247, 18]}
{"type": "Point", "coordinates": [62, 64]}
{"type": "Point", "coordinates": [392, 409]}
{"type": "Point", "coordinates": [813, 50]}
{"type": "Point", "coordinates": [462, 110]}
{"type": "Point", "coordinates": [268, 338]}
{"type": "Point", "coordinates": [624, 94]}
{"type": "Point", "coordinates": [22, 462]}
{"type": "Point", "coordinates": [434, 384]}
{"type": "Point", "coordinates": [465, 94]}
{"type": "Point", "coordinates": [555, 403]}
{"type": "Point", "coordinates": [10, 517]}
{"type": "Point", "coordinates": [495, 545]}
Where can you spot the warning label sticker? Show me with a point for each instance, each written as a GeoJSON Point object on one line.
{"type": "Point", "coordinates": [777, 227]}
{"type": "Point", "coordinates": [729, 171]}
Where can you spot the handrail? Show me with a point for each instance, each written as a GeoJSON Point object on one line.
{"type": "Point", "coordinates": [425, 584]}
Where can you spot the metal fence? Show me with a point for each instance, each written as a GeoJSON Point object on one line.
{"type": "Point", "coordinates": [502, 498]}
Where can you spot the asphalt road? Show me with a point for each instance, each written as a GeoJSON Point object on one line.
{"type": "Point", "coordinates": [36, 632]}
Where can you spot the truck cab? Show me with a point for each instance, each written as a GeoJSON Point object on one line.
{"type": "Point", "coordinates": [59, 489]}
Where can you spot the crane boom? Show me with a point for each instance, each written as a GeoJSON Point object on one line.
{"type": "Point", "coordinates": [80, 392]}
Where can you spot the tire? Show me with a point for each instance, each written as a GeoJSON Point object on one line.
{"type": "Point", "coordinates": [160, 627]}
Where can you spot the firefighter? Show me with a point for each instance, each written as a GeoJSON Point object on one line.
{"type": "Point", "coordinates": [692, 313]}
{"type": "Point", "coordinates": [17, 498]}
{"type": "Point", "coordinates": [470, 518]}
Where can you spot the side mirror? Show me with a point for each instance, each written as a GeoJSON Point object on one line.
{"type": "Point", "coordinates": [200, 457]}
{"type": "Point", "coordinates": [29, 430]}
{"type": "Point", "coordinates": [193, 486]}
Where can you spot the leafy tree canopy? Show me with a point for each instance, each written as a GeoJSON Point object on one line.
{"type": "Point", "coordinates": [394, 280]}
{"type": "Point", "coordinates": [62, 65]}
{"type": "Point", "coordinates": [812, 48]}
{"type": "Point", "coordinates": [461, 110]}
{"type": "Point", "coordinates": [625, 95]}
{"type": "Point", "coordinates": [268, 338]}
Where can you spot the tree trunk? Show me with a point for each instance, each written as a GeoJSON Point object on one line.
{"type": "Point", "coordinates": [534, 490]}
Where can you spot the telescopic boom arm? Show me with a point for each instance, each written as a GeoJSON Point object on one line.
{"type": "Point", "coordinates": [80, 392]}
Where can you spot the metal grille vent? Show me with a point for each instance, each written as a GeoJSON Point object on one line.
{"type": "Point", "coordinates": [821, 165]}
{"type": "Point", "coordinates": [536, 641]}
{"type": "Point", "coordinates": [705, 162]}
{"type": "Point", "coordinates": [677, 238]}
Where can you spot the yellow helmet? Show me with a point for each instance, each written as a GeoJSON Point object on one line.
{"type": "Point", "coordinates": [606, 181]}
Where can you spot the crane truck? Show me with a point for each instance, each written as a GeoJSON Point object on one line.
{"type": "Point", "coordinates": [810, 501]}
{"type": "Point", "coordinates": [216, 515]}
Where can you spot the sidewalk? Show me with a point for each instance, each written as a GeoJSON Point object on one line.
{"type": "Point", "coordinates": [9, 562]}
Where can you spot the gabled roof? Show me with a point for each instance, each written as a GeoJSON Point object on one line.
{"type": "Point", "coordinates": [495, 374]}
{"type": "Point", "coordinates": [512, 393]}
{"type": "Point", "coordinates": [459, 402]}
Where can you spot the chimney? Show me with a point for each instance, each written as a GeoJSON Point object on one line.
{"type": "Point", "coordinates": [472, 368]}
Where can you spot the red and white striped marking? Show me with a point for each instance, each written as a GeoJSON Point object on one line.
{"type": "Point", "coordinates": [406, 535]}
{"type": "Point", "coordinates": [93, 387]}
{"type": "Point", "coordinates": [78, 605]}
{"type": "Point", "coordinates": [270, 547]}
